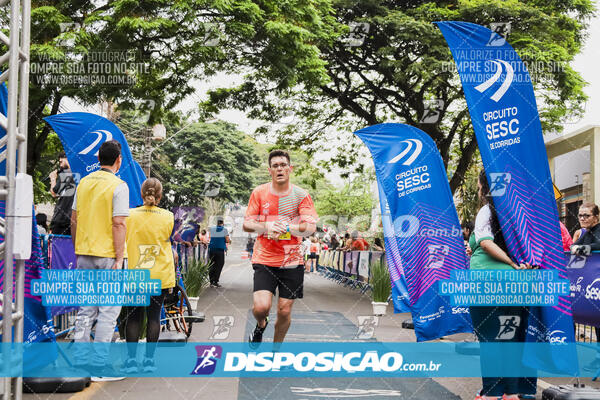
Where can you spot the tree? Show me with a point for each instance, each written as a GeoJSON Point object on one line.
{"type": "Point", "coordinates": [156, 48]}
{"type": "Point", "coordinates": [205, 160]}
{"type": "Point", "coordinates": [404, 62]}
{"type": "Point", "coordinates": [350, 206]}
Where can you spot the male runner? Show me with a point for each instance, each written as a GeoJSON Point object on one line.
{"type": "Point", "coordinates": [281, 214]}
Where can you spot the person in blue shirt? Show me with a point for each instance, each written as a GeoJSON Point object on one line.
{"type": "Point", "coordinates": [219, 238]}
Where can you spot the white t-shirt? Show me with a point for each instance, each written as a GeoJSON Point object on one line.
{"type": "Point", "coordinates": [483, 225]}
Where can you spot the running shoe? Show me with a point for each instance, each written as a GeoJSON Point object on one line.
{"type": "Point", "coordinates": [256, 337]}
{"type": "Point", "coordinates": [148, 365]}
{"type": "Point", "coordinates": [106, 374]}
{"type": "Point", "coordinates": [481, 397]}
{"type": "Point", "coordinates": [130, 366]}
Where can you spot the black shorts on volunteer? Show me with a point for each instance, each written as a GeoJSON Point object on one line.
{"type": "Point", "coordinates": [289, 280]}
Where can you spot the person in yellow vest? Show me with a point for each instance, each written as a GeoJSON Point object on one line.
{"type": "Point", "coordinates": [98, 215]}
{"type": "Point", "coordinates": [149, 231]}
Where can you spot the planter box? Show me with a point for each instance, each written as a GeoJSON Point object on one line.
{"type": "Point", "coordinates": [193, 302]}
{"type": "Point", "coordinates": [379, 308]}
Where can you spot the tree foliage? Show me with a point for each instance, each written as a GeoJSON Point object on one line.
{"type": "Point", "coordinates": [205, 160]}
{"type": "Point", "coordinates": [349, 206]}
{"type": "Point", "coordinates": [166, 46]}
{"type": "Point", "coordinates": [404, 62]}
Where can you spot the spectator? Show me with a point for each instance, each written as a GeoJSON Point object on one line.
{"type": "Point", "coordinates": [589, 240]}
{"type": "Point", "coordinates": [565, 236]}
{"type": "Point", "coordinates": [347, 242]}
{"type": "Point", "coordinates": [250, 245]}
{"type": "Point", "coordinates": [467, 229]}
{"type": "Point", "coordinates": [490, 252]}
{"type": "Point", "coordinates": [62, 186]}
{"type": "Point", "coordinates": [590, 230]}
{"type": "Point", "coordinates": [98, 231]}
{"type": "Point", "coordinates": [315, 248]}
{"type": "Point", "coordinates": [378, 245]}
{"type": "Point", "coordinates": [326, 236]}
{"type": "Point", "coordinates": [149, 231]}
{"type": "Point", "coordinates": [358, 243]}
{"type": "Point", "coordinates": [305, 248]}
{"type": "Point", "coordinates": [334, 242]}
{"type": "Point", "coordinates": [42, 222]}
{"type": "Point", "coordinates": [203, 242]}
{"type": "Point", "coordinates": [219, 239]}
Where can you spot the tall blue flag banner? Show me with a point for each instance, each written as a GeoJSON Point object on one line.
{"type": "Point", "coordinates": [400, 297]}
{"type": "Point", "coordinates": [82, 134]}
{"type": "Point", "coordinates": [505, 118]}
{"type": "Point", "coordinates": [427, 234]}
{"type": "Point", "coordinates": [3, 111]}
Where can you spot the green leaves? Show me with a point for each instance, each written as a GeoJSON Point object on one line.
{"type": "Point", "coordinates": [206, 161]}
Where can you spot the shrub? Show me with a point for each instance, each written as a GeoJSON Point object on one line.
{"type": "Point", "coordinates": [196, 278]}
{"type": "Point", "coordinates": [380, 282]}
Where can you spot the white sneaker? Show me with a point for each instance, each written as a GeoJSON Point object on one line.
{"type": "Point", "coordinates": [107, 374]}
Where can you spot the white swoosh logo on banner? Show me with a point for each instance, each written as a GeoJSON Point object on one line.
{"type": "Point", "coordinates": [418, 147]}
{"type": "Point", "coordinates": [505, 85]}
{"type": "Point", "coordinates": [95, 142]}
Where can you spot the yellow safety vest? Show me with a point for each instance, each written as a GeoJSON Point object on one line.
{"type": "Point", "coordinates": [148, 243]}
{"type": "Point", "coordinates": [94, 215]}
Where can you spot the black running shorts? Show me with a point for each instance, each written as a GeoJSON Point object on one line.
{"type": "Point", "coordinates": [289, 280]}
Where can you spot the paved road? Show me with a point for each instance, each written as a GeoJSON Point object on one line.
{"type": "Point", "coordinates": [328, 312]}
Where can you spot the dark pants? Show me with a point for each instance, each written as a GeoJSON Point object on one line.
{"type": "Point", "coordinates": [497, 325]}
{"type": "Point", "coordinates": [134, 320]}
{"type": "Point", "coordinates": [217, 259]}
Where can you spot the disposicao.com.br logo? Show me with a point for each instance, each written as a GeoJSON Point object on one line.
{"type": "Point", "coordinates": [370, 361]}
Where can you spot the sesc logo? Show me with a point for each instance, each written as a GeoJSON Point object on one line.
{"type": "Point", "coordinates": [555, 337]}
{"type": "Point", "coordinates": [576, 287]}
{"type": "Point", "coordinates": [460, 310]}
{"type": "Point", "coordinates": [593, 292]}
{"type": "Point", "coordinates": [418, 147]}
{"type": "Point", "coordinates": [95, 145]}
{"type": "Point", "coordinates": [499, 93]}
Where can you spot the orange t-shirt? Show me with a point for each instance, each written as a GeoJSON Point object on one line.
{"type": "Point", "coordinates": [292, 208]}
{"type": "Point", "coordinates": [360, 245]}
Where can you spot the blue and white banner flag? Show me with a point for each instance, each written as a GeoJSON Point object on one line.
{"type": "Point", "coordinates": [3, 111]}
{"type": "Point", "coordinates": [425, 223]}
{"type": "Point", "coordinates": [82, 134]}
{"type": "Point", "coordinates": [505, 118]}
{"type": "Point", "coordinates": [400, 297]}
